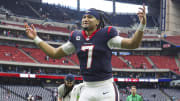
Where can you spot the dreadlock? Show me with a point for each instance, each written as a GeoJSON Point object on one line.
{"type": "Point", "coordinates": [103, 19]}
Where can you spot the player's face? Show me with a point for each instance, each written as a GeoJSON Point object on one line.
{"type": "Point", "coordinates": [133, 91]}
{"type": "Point", "coordinates": [69, 84]}
{"type": "Point", "coordinates": [89, 22]}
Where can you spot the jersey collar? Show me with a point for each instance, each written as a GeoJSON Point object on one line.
{"type": "Point", "coordinates": [134, 95]}
{"type": "Point", "coordinates": [87, 38]}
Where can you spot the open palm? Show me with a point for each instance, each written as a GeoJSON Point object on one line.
{"type": "Point", "coordinates": [30, 31]}
{"type": "Point", "coordinates": [142, 15]}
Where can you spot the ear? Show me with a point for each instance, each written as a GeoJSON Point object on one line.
{"type": "Point", "coordinates": [97, 22]}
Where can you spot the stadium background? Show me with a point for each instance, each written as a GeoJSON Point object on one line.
{"type": "Point", "coordinates": [26, 70]}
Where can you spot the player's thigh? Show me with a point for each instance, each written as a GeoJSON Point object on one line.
{"type": "Point", "coordinates": [112, 93]}
{"type": "Point", "coordinates": [89, 94]}
{"type": "Point", "coordinates": [104, 93]}
{"type": "Point", "coordinates": [85, 95]}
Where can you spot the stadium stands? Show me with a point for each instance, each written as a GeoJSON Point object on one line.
{"type": "Point", "coordinates": [11, 92]}
{"type": "Point", "coordinates": [18, 7]}
{"type": "Point", "coordinates": [147, 95]}
{"type": "Point", "coordinates": [74, 58]}
{"type": "Point", "coordinates": [118, 63]}
{"type": "Point", "coordinates": [123, 35]}
{"type": "Point", "coordinates": [151, 37]}
{"type": "Point", "coordinates": [52, 28]}
{"type": "Point", "coordinates": [174, 93]}
{"type": "Point", "coordinates": [8, 53]}
{"type": "Point", "coordinates": [127, 20]}
{"type": "Point", "coordinates": [63, 14]}
{"type": "Point", "coordinates": [138, 61]}
{"type": "Point", "coordinates": [22, 90]}
{"type": "Point", "coordinates": [34, 55]}
{"type": "Point", "coordinates": [49, 28]}
{"type": "Point", "coordinates": [40, 56]}
{"type": "Point", "coordinates": [174, 39]}
{"type": "Point", "coordinates": [167, 62]}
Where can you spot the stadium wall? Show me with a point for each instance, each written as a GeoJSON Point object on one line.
{"type": "Point", "coordinates": [39, 1]}
{"type": "Point", "coordinates": [172, 18]}
{"type": "Point", "coordinates": [35, 21]}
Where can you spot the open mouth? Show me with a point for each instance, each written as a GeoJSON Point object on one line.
{"type": "Point", "coordinates": [86, 23]}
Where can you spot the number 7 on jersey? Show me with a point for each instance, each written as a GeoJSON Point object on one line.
{"type": "Point", "coordinates": [88, 48]}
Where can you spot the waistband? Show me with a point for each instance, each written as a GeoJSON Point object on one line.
{"type": "Point", "coordinates": [99, 83]}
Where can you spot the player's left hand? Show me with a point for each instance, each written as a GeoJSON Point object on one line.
{"type": "Point", "coordinates": [142, 15]}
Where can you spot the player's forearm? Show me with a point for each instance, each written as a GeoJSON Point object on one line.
{"type": "Point", "coordinates": [48, 49]}
{"type": "Point", "coordinates": [136, 39]}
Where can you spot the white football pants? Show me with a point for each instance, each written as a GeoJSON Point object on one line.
{"type": "Point", "coordinates": [100, 91]}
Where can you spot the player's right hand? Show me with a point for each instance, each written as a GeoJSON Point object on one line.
{"type": "Point", "coordinates": [30, 31]}
{"type": "Point", "coordinates": [142, 15]}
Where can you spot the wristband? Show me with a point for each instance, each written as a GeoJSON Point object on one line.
{"type": "Point", "coordinates": [141, 27]}
{"type": "Point", "coordinates": [37, 40]}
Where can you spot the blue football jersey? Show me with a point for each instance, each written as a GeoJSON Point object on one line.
{"type": "Point", "coordinates": [93, 53]}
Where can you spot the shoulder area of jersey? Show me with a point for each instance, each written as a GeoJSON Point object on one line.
{"type": "Point", "coordinates": [60, 86]}
{"type": "Point", "coordinates": [76, 31]}
{"type": "Point", "coordinates": [79, 85]}
{"type": "Point", "coordinates": [107, 27]}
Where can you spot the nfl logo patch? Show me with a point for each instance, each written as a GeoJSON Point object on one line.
{"type": "Point", "coordinates": [77, 37]}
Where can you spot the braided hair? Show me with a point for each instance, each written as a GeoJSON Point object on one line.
{"type": "Point", "coordinates": [103, 19]}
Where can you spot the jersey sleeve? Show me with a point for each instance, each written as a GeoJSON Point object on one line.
{"type": "Point", "coordinates": [68, 48]}
{"type": "Point", "coordinates": [71, 39]}
{"type": "Point", "coordinates": [112, 32]}
{"type": "Point", "coordinates": [60, 91]}
{"type": "Point", "coordinates": [114, 41]}
{"type": "Point", "coordinates": [75, 94]}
